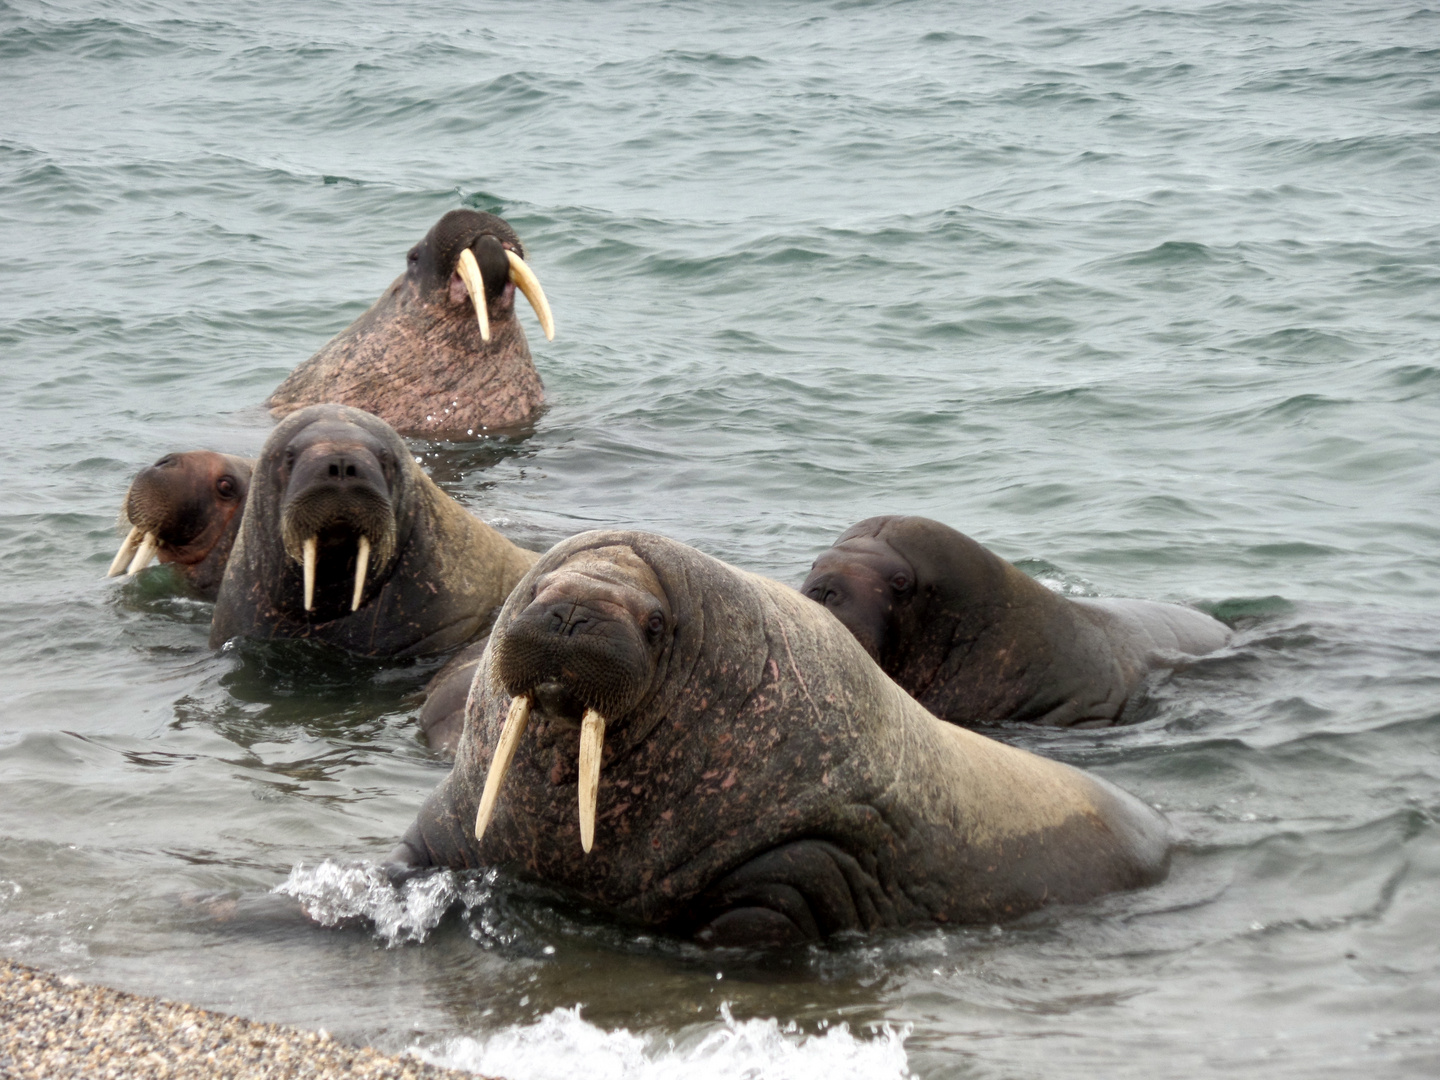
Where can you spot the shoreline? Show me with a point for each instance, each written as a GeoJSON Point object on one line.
{"type": "Point", "coordinates": [56, 1026]}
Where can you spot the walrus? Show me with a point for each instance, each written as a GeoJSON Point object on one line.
{"type": "Point", "coordinates": [346, 540]}
{"type": "Point", "coordinates": [441, 351]}
{"type": "Point", "coordinates": [185, 510]}
{"type": "Point", "coordinates": [696, 749]}
{"type": "Point", "coordinates": [977, 641]}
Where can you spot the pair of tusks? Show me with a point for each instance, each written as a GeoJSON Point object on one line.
{"type": "Point", "coordinates": [521, 275]}
{"type": "Point", "coordinates": [592, 745]}
{"type": "Point", "coordinates": [136, 551]}
{"type": "Point", "coordinates": [312, 555]}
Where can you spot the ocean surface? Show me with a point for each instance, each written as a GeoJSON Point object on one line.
{"type": "Point", "coordinates": [1146, 297]}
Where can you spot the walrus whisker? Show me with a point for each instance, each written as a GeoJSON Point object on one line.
{"type": "Point", "coordinates": [312, 552]}
{"type": "Point", "coordinates": [362, 563]}
{"type": "Point", "coordinates": [592, 746]}
{"type": "Point", "coordinates": [525, 279]}
{"type": "Point", "coordinates": [126, 552]}
{"type": "Point", "coordinates": [148, 547]}
{"type": "Point", "coordinates": [515, 722]}
{"type": "Point", "coordinates": [469, 271]}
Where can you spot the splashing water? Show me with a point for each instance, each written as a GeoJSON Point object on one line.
{"type": "Point", "coordinates": [333, 893]}
{"type": "Point", "coordinates": [561, 1045]}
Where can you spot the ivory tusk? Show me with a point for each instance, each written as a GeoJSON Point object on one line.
{"type": "Point", "coordinates": [592, 745]}
{"type": "Point", "coordinates": [525, 279]}
{"type": "Point", "coordinates": [148, 546]}
{"type": "Point", "coordinates": [127, 550]}
{"type": "Point", "coordinates": [469, 271]}
{"type": "Point", "coordinates": [500, 764]}
{"type": "Point", "coordinates": [362, 563]}
{"type": "Point", "coordinates": [312, 552]}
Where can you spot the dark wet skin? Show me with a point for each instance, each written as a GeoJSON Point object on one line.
{"type": "Point", "coordinates": [762, 782]}
{"type": "Point", "coordinates": [978, 642]}
{"type": "Point", "coordinates": [435, 574]}
{"type": "Point", "coordinates": [416, 358]}
{"type": "Point", "coordinates": [193, 502]}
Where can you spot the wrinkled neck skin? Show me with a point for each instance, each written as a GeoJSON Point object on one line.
{"type": "Point", "coordinates": [438, 589]}
{"type": "Point", "coordinates": [416, 360]}
{"type": "Point", "coordinates": [774, 786]}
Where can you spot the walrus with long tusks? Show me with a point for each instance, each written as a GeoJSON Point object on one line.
{"type": "Point", "coordinates": [441, 352]}
{"type": "Point", "coordinates": [185, 510]}
{"type": "Point", "coordinates": [698, 749]}
{"type": "Point", "coordinates": [977, 641]}
{"type": "Point", "coordinates": [346, 540]}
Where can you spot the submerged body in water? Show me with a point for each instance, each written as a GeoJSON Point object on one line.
{"type": "Point", "coordinates": [977, 642]}
{"type": "Point", "coordinates": [346, 540]}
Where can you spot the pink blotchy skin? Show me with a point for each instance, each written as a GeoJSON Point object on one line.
{"type": "Point", "coordinates": [416, 358]}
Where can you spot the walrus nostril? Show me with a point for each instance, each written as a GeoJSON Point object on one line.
{"type": "Point", "coordinates": [565, 619]}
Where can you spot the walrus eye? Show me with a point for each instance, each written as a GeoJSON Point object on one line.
{"type": "Point", "coordinates": [900, 582]}
{"type": "Point", "coordinates": [655, 623]}
{"type": "Point", "coordinates": [414, 256]}
{"type": "Point", "coordinates": [226, 487]}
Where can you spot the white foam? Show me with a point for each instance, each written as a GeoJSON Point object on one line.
{"type": "Point", "coordinates": [562, 1045]}
{"type": "Point", "coordinates": [332, 893]}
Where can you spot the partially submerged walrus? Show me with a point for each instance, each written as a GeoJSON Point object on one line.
{"type": "Point", "coordinates": [977, 641]}
{"type": "Point", "coordinates": [699, 749]}
{"type": "Point", "coordinates": [185, 510]}
{"type": "Point", "coordinates": [441, 351]}
{"type": "Point", "coordinates": [346, 540]}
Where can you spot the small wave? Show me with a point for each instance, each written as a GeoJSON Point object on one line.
{"type": "Point", "coordinates": [562, 1045]}
{"type": "Point", "coordinates": [335, 893]}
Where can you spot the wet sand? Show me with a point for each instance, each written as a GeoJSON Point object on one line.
{"type": "Point", "coordinates": [55, 1027]}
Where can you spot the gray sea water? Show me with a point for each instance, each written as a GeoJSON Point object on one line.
{"type": "Point", "coordinates": [1144, 296]}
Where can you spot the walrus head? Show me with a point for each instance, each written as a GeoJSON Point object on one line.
{"type": "Point", "coordinates": [338, 479]}
{"type": "Point", "coordinates": [183, 509]}
{"type": "Point", "coordinates": [476, 261]}
{"type": "Point", "coordinates": [582, 652]}
{"type": "Point", "coordinates": [866, 583]}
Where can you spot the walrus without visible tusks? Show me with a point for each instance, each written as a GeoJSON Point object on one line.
{"type": "Point", "coordinates": [185, 510]}
{"type": "Point", "coordinates": [345, 540]}
{"type": "Point", "coordinates": [702, 750]}
{"type": "Point", "coordinates": [977, 641]}
{"type": "Point", "coordinates": [441, 352]}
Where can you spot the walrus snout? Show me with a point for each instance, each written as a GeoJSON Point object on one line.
{"type": "Point", "coordinates": [590, 638]}
{"type": "Point", "coordinates": [477, 259]}
{"type": "Point", "coordinates": [595, 651]}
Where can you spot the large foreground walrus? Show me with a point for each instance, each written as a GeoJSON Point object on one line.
{"type": "Point", "coordinates": [695, 748]}
{"type": "Point", "coordinates": [977, 641]}
{"type": "Point", "coordinates": [441, 351]}
{"type": "Point", "coordinates": [185, 510]}
{"type": "Point", "coordinates": [345, 540]}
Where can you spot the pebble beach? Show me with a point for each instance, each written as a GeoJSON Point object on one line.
{"type": "Point", "coordinates": [55, 1026]}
